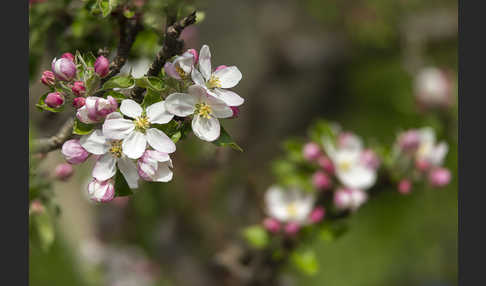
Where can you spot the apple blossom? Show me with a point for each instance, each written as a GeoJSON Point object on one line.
{"type": "Point", "coordinates": [439, 177]}
{"type": "Point", "coordinates": [78, 88]}
{"type": "Point", "coordinates": [138, 131]}
{"type": "Point", "coordinates": [79, 102]}
{"type": "Point", "coordinates": [311, 151]}
{"type": "Point", "coordinates": [348, 140]}
{"type": "Point", "coordinates": [409, 140]}
{"type": "Point", "coordinates": [102, 66]}
{"type": "Point", "coordinates": [317, 214]}
{"type": "Point", "coordinates": [429, 153]}
{"type": "Point", "coordinates": [63, 171]}
{"type": "Point", "coordinates": [433, 87]}
{"type": "Point", "coordinates": [64, 69]}
{"type": "Point", "coordinates": [111, 155]}
{"type": "Point", "coordinates": [291, 205]}
{"type": "Point", "coordinates": [48, 78]}
{"type": "Point", "coordinates": [182, 65]}
{"type": "Point", "coordinates": [217, 82]}
{"type": "Point", "coordinates": [271, 224]}
{"type": "Point", "coordinates": [68, 56]}
{"type": "Point", "coordinates": [96, 108]}
{"type": "Point", "coordinates": [206, 110]}
{"type": "Point", "coordinates": [154, 166]}
{"type": "Point", "coordinates": [73, 152]}
{"type": "Point", "coordinates": [325, 164]}
{"type": "Point", "coordinates": [101, 191]}
{"type": "Point", "coordinates": [404, 186]}
{"type": "Point", "coordinates": [370, 159]}
{"type": "Point", "coordinates": [54, 99]}
{"type": "Point", "coordinates": [321, 180]}
{"type": "Point", "coordinates": [351, 199]}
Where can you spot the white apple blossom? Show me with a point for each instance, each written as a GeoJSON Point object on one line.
{"type": "Point", "coordinates": [111, 156]}
{"type": "Point", "coordinates": [291, 205]}
{"type": "Point", "coordinates": [217, 82]}
{"type": "Point", "coordinates": [182, 65]}
{"type": "Point", "coordinates": [206, 110]}
{"type": "Point", "coordinates": [137, 132]}
{"type": "Point", "coordinates": [428, 150]}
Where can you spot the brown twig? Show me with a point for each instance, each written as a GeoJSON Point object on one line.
{"type": "Point", "coordinates": [170, 47]}
{"type": "Point", "coordinates": [46, 145]}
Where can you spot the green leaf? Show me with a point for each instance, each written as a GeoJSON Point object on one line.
{"type": "Point", "coordinates": [119, 82]}
{"type": "Point", "coordinates": [121, 186]}
{"type": "Point", "coordinates": [128, 13]}
{"type": "Point", "coordinates": [150, 98]}
{"type": "Point", "coordinates": [330, 232]}
{"type": "Point", "coordinates": [105, 7]}
{"type": "Point", "coordinates": [150, 82]}
{"type": "Point", "coordinates": [294, 149]}
{"type": "Point", "coordinates": [116, 95]}
{"type": "Point", "coordinates": [306, 261]}
{"type": "Point", "coordinates": [81, 128]}
{"type": "Point", "coordinates": [43, 106]}
{"type": "Point", "coordinates": [92, 84]}
{"type": "Point", "coordinates": [42, 230]}
{"type": "Point", "coordinates": [226, 140]}
{"type": "Point", "coordinates": [321, 129]}
{"type": "Point", "coordinates": [256, 236]}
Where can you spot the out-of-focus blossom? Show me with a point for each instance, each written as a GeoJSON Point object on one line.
{"type": "Point", "coordinates": [370, 159]}
{"type": "Point", "coordinates": [321, 180]}
{"type": "Point", "coordinates": [73, 152]}
{"type": "Point", "coordinates": [404, 186]}
{"type": "Point", "coordinates": [292, 228]}
{"type": "Point", "coordinates": [326, 164]}
{"type": "Point", "coordinates": [409, 140]}
{"type": "Point", "coordinates": [429, 152]}
{"type": "Point", "coordinates": [101, 191]}
{"type": "Point", "coordinates": [291, 205]}
{"type": "Point", "coordinates": [317, 214]}
{"type": "Point", "coordinates": [433, 88]}
{"type": "Point", "coordinates": [271, 224]}
{"type": "Point", "coordinates": [311, 151]}
{"type": "Point", "coordinates": [351, 199]}
{"type": "Point", "coordinates": [63, 171]}
{"type": "Point", "coordinates": [439, 177]}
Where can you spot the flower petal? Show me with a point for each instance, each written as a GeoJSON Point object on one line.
{"type": "Point", "coordinates": [358, 177]}
{"type": "Point", "coordinates": [115, 127]}
{"type": "Point", "coordinates": [197, 78]}
{"type": "Point", "coordinates": [171, 71]}
{"type": "Point", "coordinates": [134, 145]}
{"type": "Point", "coordinates": [130, 108]}
{"type": "Point", "coordinates": [229, 76]}
{"type": "Point", "coordinates": [157, 113]}
{"type": "Point", "coordinates": [163, 174]}
{"type": "Point", "coordinates": [104, 168]}
{"type": "Point", "coordinates": [180, 104]}
{"type": "Point", "coordinates": [157, 156]}
{"type": "Point", "coordinates": [229, 97]}
{"type": "Point", "coordinates": [205, 62]}
{"type": "Point", "coordinates": [159, 141]}
{"type": "Point", "coordinates": [129, 171]}
{"type": "Point", "coordinates": [276, 204]}
{"type": "Point", "coordinates": [82, 115]}
{"type": "Point", "coordinates": [95, 143]}
{"type": "Point", "coordinates": [206, 129]}
{"type": "Point", "coordinates": [218, 107]}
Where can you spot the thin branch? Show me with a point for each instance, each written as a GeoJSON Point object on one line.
{"type": "Point", "coordinates": [170, 47]}
{"type": "Point", "coordinates": [46, 145]}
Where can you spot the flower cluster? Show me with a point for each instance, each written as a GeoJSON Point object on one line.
{"type": "Point", "coordinates": [434, 88]}
{"type": "Point", "coordinates": [131, 137]}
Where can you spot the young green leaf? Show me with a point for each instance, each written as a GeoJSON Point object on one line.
{"type": "Point", "coordinates": [256, 236]}
{"type": "Point", "coordinates": [81, 128]}
{"type": "Point", "coordinates": [121, 187]}
{"type": "Point", "coordinates": [150, 82]}
{"type": "Point", "coordinates": [226, 140]}
{"type": "Point", "coordinates": [150, 98]}
{"type": "Point", "coordinates": [119, 82]}
{"type": "Point", "coordinates": [305, 260]}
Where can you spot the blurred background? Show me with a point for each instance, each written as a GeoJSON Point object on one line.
{"type": "Point", "coordinates": [355, 62]}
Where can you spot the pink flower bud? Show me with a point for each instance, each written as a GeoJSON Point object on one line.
{"type": "Point", "coordinates": [349, 198]}
{"type": "Point", "coordinates": [194, 54]}
{"type": "Point", "coordinates": [220, 68]}
{"type": "Point", "coordinates": [73, 152]}
{"type": "Point", "coordinates": [54, 99]}
{"type": "Point", "coordinates": [236, 111]}
{"type": "Point", "coordinates": [36, 206]}
{"type": "Point", "coordinates": [422, 165]}
{"type": "Point", "coordinates": [326, 164]}
{"type": "Point", "coordinates": [439, 177]}
{"type": "Point", "coordinates": [102, 66]}
{"type": "Point", "coordinates": [68, 56]}
{"type": "Point", "coordinates": [404, 187]}
{"type": "Point", "coordinates": [292, 228]}
{"type": "Point", "coordinates": [78, 88]}
{"type": "Point", "coordinates": [101, 191]}
{"type": "Point", "coordinates": [317, 214]}
{"type": "Point", "coordinates": [321, 180]}
{"type": "Point", "coordinates": [79, 102]}
{"type": "Point", "coordinates": [370, 159]}
{"type": "Point", "coordinates": [64, 69]}
{"type": "Point", "coordinates": [271, 224]}
{"type": "Point", "coordinates": [63, 171]}
{"type": "Point", "coordinates": [311, 151]}
{"type": "Point", "coordinates": [48, 78]}
{"type": "Point", "coordinates": [409, 140]}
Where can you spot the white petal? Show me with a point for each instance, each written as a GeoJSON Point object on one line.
{"type": "Point", "coordinates": [95, 143]}
{"type": "Point", "coordinates": [157, 156]}
{"type": "Point", "coordinates": [171, 71]}
{"type": "Point", "coordinates": [130, 108]}
{"type": "Point", "coordinates": [206, 129]}
{"type": "Point", "coordinates": [197, 78]}
{"type": "Point", "coordinates": [180, 104]}
{"type": "Point", "coordinates": [163, 174]}
{"type": "Point", "coordinates": [129, 171]}
{"type": "Point", "coordinates": [275, 203]}
{"type": "Point", "coordinates": [82, 115]}
{"type": "Point", "coordinates": [185, 62]}
{"type": "Point", "coordinates": [159, 141]}
{"type": "Point", "coordinates": [229, 97]}
{"type": "Point", "coordinates": [104, 168]}
{"type": "Point", "coordinates": [157, 113]}
{"type": "Point", "coordinates": [205, 62]}
{"type": "Point", "coordinates": [218, 107]}
{"type": "Point", "coordinates": [134, 145]}
{"type": "Point", "coordinates": [229, 76]}
{"type": "Point", "coordinates": [116, 127]}
{"type": "Point", "coordinates": [358, 177]}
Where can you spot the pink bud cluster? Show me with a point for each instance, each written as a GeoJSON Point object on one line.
{"type": "Point", "coordinates": [291, 228]}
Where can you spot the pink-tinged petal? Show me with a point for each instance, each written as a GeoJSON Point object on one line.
{"type": "Point", "coordinates": [82, 115]}
{"type": "Point", "coordinates": [73, 152]}
{"type": "Point", "coordinates": [205, 62]}
{"type": "Point", "coordinates": [129, 171]}
{"type": "Point", "coordinates": [229, 97]}
{"type": "Point", "coordinates": [101, 191]}
{"type": "Point", "coordinates": [95, 143]}
{"type": "Point", "coordinates": [104, 168]}
{"type": "Point", "coordinates": [206, 129]}
{"type": "Point", "coordinates": [116, 127]}
{"type": "Point", "coordinates": [130, 108]}
{"type": "Point", "coordinates": [90, 104]}
{"type": "Point", "coordinates": [229, 76]}
{"type": "Point", "coordinates": [159, 141]}
{"type": "Point", "coordinates": [134, 145]}
{"type": "Point", "coordinates": [157, 156]}
{"type": "Point", "coordinates": [158, 114]}
{"type": "Point", "coordinates": [171, 71]}
{"type": "Point", "coordinates": [163, 174]}
{"type": "Point", "coordinates": [180, 104]}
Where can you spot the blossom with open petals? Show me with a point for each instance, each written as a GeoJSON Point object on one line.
{"type": "Point", "coordinates": [154, 166]}
{"type": "Point", "coordinates": [206, 110]}
{"type": "Point", "coordinates": [217, 82]}
{"type": "Point", "coordinates": [111, 155]}
{"type": "Point", "coordinates": [429, 152]}
{"type": "Point", "coordinates": [138, 131]}
{"type": "Point", "coordinates": [289, 206]}
{"type": "Point", "coordinates": [96, 108]}
{"type": "Point", "coordinates": [182, 66]}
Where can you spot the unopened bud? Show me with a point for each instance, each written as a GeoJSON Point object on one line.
{"type": "Point", "coordinates": [63, 171]}
{"type": "Point", "coordinates": [48, 78]}
{"type": "Point", "coordinates": [54, 99]}
{"type": "Point", "coordinates": [102, 66]}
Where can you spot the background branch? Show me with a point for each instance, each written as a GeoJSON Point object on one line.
{"type": "Point", "coordinates": [46, 145]}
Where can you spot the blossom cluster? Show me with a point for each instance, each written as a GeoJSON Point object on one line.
{"type": "Point", "coordinates": [131, 137]}
{"type": "Point", "coordinates": [343, 171]}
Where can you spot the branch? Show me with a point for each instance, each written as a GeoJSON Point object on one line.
{"type": "Point", "coordinates": [170, 47]}
{"type": "Point", "coordinates": [46, 145]}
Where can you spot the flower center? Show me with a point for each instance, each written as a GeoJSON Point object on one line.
{"type": "Point", "coordinates": [180, 71]}
{"type": "Point", "coordinates": [292, 209]}
{"type": "Point", "coordinates": [116, 148]}
{"type": "Point", "coordinates": [203, 110]}
{"type": "Point", "coordinates": [344, 166]}
{"type": "Point", "coordinates": [213, 82]}
{"type": "Point", "coordinates": [142, 123]}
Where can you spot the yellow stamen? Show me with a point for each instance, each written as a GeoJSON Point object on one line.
{"type": "Point", "coordinates": [344, 166]}
{"type": "Point", "coordinates": [203, 110]}
{"type": "Point", "coordinates": [180, 71]}
{"type": "Point", "coordinates": [116, 148]}
{"type": "Point", "coordinates": [292, 209]}
{"type": "Point", "coordinates": [142, 123]}
{"type": "Point", "coordinates": [213, 82]}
